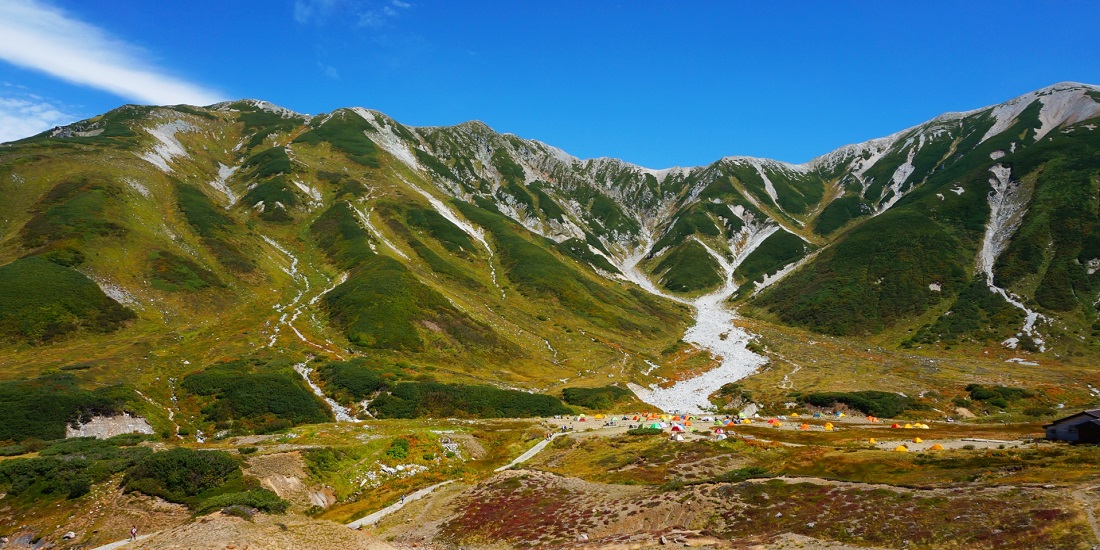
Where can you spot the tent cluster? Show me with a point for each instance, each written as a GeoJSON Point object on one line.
{"type": "Point", "coordinates": [918, 426]}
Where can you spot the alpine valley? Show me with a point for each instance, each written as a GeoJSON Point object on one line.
{"type": "Point", "coordinates": [242, 269]}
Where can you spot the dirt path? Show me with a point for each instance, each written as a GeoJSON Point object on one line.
{"type": "Point", "coordinates": [122, 543]}
{"type": "Point", "coordinates": [530, 452]}
{"type": "Point", "coordinates": [1082, 496]}
{"type": "Point", "coordinates": [377, 516]}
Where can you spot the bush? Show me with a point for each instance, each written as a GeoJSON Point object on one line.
{"type": "Point", "coordinates": [263, 397]}
{"type": "Point", "coordinates": [44, 301]}
{"type": "Point", "coordinates": [399, 449]}
{"type": "Point", "coordinates": [260, 499]}
{"type": "Point", "coordinates": [344, 131]}
{"type": "Point", "coordinates": [416, 399]}
{"type": "Point", "coordinates": [174, 273]}
{"type": "Point", "coordinates": [68, 468]}
{"type": "Point", "coordinates": [596, 398]}
{"type": "Point", "coordinates": [41, 407]}
{"type": "Point", "coordinates": [644, 431]}
{"type": "Point", "coordinates": [179, 475]}
{"type": "Point", "coordinates": [875, 403]}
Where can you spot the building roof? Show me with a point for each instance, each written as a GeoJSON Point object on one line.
{"type": "Point", "coordinates": [1089, 415]}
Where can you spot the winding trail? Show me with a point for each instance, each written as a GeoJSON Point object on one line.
{"type": "Point", "coordinates": [377, 516]}
{"type": "Point", "coordinates": [1082, 496]}
{"type": "Point", "coordinates": [122, 543]}
{"type": "Point", "coordinates": [530, 452]}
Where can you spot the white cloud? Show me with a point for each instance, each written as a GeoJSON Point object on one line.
{"type": "Point", "coordinates": [22, 117]}
{"type": "Point", "coordinates": [400, 4]}
{"type": "Point", "coordinates": [44, 38]}
{"type": "Point", "coordinates": [306, 11]}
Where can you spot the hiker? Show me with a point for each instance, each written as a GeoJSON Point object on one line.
{"type": "Point", "coordinates": [402, 499]}
{"type": "Point", "coordinates": [133, 533]}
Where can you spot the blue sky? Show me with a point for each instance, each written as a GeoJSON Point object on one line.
{"type": "Point", "coordinates": [654, 83]}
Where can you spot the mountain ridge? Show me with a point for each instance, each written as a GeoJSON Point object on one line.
{"type": "Point", "coordinates": [486, 256]}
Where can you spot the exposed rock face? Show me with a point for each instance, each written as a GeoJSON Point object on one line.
{"type": "Point", "coordinates": [110, 426]}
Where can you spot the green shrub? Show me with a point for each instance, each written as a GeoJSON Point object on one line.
{"type": "Point", "coordinates": [179, 475]}
{"type": "Point", "coordinates": [418, 399]}
{"type": "Point", "coordinates": [276, 196]}
{"type": "Point", "coordinates": [40, 408]}
{"type": "Point", "coordinates": [43, 301]}
{"type": "Point", "coordinates": [261, 397]}
{"type": "Point", "coordinates": [68, 468]}
{"type": "Point", "coordinates": [399, 449]}
{"type": "Point", "coordinates": [268, 163]}
{"type": "Point", "coordinates": [778, 250]}
{"type": "Point", "coordinates": [603, 397]}
{"type": "Point", "coordinates": [175, 273]}
{"type": "Point", "coordinates": [689, 268]}
{"type": "Point", "coordinates": [874, 403]}
{"type": "Point", "coordinates": [644, 431]}
{"type": "Point", "coordinates": [344, 131]}
{"type": "Point", "coordinates": [260, 499]}
{"type": "Point", "coordinates": [338, 232]}
{"type": "Point", "coordinates": [382, 304]}
{"type": "Point", "coordinates": [72, 210]}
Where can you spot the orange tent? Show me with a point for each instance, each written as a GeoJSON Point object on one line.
{"type": "Point", "coordinates": [936, 447]}
{"type": "Point", "coordinates": [804, 427]}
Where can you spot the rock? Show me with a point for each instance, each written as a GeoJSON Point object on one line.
{"type": "Point", "coordinates": [779, 514]}
{"type": "Point", "coordinates": [68, 536]}
{"type": "Point", "coordinates": [811, 524]}
{"type": "Point", "coordinates": [663, 541]}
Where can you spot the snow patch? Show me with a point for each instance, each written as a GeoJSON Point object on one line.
{"type": "Point", "coordinates": [342, 414]}
{"type": "Point", "coordinates": [1022, 362]}
{"type": "Point", "coordinates": [137, 186]}
{"type": "Point", "coordinates": [167, 147]}
{"type": "Point", "coordinates": [897, 180]}
{"type": "Point", "coordinates": [1007, 205]}
{"type": "Point", "coordinates": [103, 427]}
{"type": "Point", "coordinates": [219, 183]}
{"type": "Point", "coordinates": [386, 139]}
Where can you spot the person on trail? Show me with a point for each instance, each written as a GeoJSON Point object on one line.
{"type": "Point", "coordinates": [402, 499]}
{"type": "Point", "coordinates": [133, 533]}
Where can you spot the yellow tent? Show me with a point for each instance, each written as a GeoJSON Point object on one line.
{"type": "Point", "coordinates": [828, 426]}
{"type": "Point", "coordinates": [936, 447]}
{"type": "Point", "coordinates": [918, 440]}
{"type": "Point", "coordinates": [841, 415]}
{"type": "Point", "coordinates": [599, 417]}
{"type": "Point", "coordinates": [871, 441]}
{"type": "Point", "coordinates": [777, 424]}
{"type": "Point", "coordinates": [794, 415]}
{"type": "Point", "coordinates": [901, 449]}
{"type": "Point", "coordinates": [909, 426]}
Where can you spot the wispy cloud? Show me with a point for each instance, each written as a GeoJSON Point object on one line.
{"type": "Point", "coordinates": [42, 37]}
{"type": "Point", "coordinates": [23, 115]}
{"type": "Point", "coordinates": [314, 11]}
{"type": "Point", "coordinates": [379, 16]}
